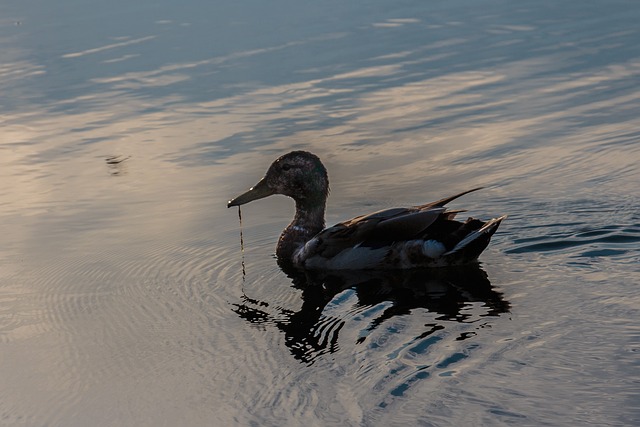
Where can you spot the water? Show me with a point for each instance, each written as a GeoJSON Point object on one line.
{"type": "Point", "coordinates": [125, 298]}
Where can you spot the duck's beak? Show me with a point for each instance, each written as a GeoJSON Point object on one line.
{"type": "Point", "coordinates": [256, 192]}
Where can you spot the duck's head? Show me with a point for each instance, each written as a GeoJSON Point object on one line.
{"type": "Point", "coordinates": [298, 174]}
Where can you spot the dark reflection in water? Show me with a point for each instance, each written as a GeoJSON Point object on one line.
{"type": "Point", "coordinates": [310, 334]}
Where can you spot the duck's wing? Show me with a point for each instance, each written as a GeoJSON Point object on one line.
{"type": "Point", "coordinates": [376, 229]}
{"type": "Point", "coordinates": [379, 229]}
{"type": "Point", "coordinates": [393, 224]}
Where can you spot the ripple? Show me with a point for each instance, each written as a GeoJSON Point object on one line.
{"type": "Point", "coordinates": [610, 240]}
{"type": "Point", "coordinates": [103, 316]}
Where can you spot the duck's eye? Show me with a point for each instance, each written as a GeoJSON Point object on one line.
{"type": "Point", "coordinates": [286, 167]}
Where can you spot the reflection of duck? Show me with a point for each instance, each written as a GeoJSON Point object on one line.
{"type": "Point", "coordinates": [415, 237]}
{"type": "Point", "coordinates": [309, 333]}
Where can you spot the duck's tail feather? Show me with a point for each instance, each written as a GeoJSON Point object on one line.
{"type": "Point", "coordinates": [469, 248]}
{"type": "Point", "coordinates": [440, 203]}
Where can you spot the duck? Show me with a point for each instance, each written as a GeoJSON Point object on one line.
{"type": "Point", "coordinates": [423, 236]}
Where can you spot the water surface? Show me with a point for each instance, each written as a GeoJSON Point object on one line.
{"type": "Point", "coordinates": [126, 128]}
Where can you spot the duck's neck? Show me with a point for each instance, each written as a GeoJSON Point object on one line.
{"type": "Point", "coordinates": [307, 222]}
